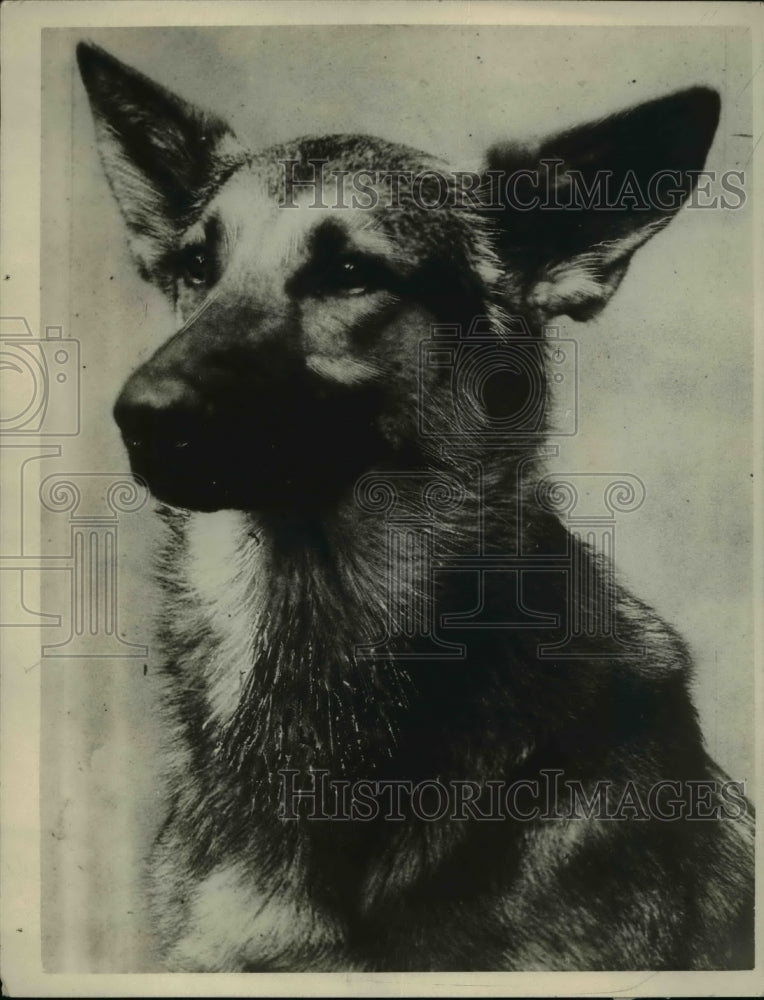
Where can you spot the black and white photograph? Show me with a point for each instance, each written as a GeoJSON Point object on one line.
{"type": "Point", "coordinates": [381, 472]}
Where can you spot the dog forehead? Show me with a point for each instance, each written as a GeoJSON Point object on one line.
{"type": "Point", "coordinates": [299, 159]}
{"type": "Point", "coordinates": [271, 226]}
{"type": "Point", "coordinates": [367, 186]}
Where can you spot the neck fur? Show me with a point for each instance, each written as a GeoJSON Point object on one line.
{"type": "Point", "coordinates": [277, 616]}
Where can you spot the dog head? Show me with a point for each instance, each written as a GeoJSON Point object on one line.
{"type": "Point", "coordinates": [305, 278]}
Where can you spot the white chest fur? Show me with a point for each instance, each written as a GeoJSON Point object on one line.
{"type": "Point", "coordinates": [226, 574]}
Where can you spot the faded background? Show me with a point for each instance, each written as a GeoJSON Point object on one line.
{"type": "Point", "coordinates": [665, 375]}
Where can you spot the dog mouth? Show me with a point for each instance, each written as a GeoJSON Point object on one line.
{"type": "Point", "coordinates": [182, 474]}
{"type": "Point", "coordinates": [303, 456]}
{"type": "Point", "coordinates": [208, 476]}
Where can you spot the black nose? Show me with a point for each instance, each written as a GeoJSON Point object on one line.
{"type": "Point", "coordinates": [157, 412]}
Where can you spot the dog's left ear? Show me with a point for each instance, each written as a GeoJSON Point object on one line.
{"type": "Point", "coordinates": [578, 206]}
{"type": "Point", "coordinates": [161, 154]}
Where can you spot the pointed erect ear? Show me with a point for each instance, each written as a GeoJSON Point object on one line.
{"type": "Point", "coordinates": [162, 156]}
{"type": "Point", "coordinates": [576, 207]}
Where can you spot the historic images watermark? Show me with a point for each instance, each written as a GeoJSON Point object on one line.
{"type": "Point", "coordinates": [550, 796]}
{"type": "Point", "coordinates": [548, 185]}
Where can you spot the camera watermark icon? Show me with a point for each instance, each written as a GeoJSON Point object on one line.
{"type": "Point", "coordinates": [41, 381]}
{"type": "Point", "coordinates": [500, 382]}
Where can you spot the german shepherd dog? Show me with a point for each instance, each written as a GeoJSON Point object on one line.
{"type": "Point", "coordinates": [336, 661]}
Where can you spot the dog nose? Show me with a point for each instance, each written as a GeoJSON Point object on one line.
{"type": "Point", "coordinates": [152, 408]}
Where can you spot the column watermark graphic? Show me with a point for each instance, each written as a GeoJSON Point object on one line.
{"type": "Point", "coordinates": [93, 517]}
{"type": "Point", "coordinates": [411, 504]}
{"type": "Point", "coordinates": [588, 504]}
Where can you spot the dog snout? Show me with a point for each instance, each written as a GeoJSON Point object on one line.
{"type": "Point", "coordinates": [151, 409]}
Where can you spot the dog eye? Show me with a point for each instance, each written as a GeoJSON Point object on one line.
{"type": "Point", "coordinates": [354, 276]}
{"type": "Point", "coordinates": [350, 276]}
{"type": "Point", "coordinates": [342, 276]}
{"type": "Point", "coordinates": [194, 267]}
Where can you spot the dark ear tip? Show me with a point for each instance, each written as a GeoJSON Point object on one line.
{"type": "Point", "coordinates": [87, 55]}
{"type": "Point", "coordinates": [703, 107]}
{"type": "Point", "coordinates": [707, 96]}
{"type": "Point", "coordinates": [685, 120]}
{"type": "Point", "coordinates": [707, 102]}
{"type": "Point", "coordinates": [90, 57]}
{"type": "Point", "coordinates": [95, 62]}
{"type": "Point", "coordinates": [700, 105]}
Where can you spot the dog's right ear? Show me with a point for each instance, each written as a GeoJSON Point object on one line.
{"type": "Point", "coordinates": [162, 156]}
